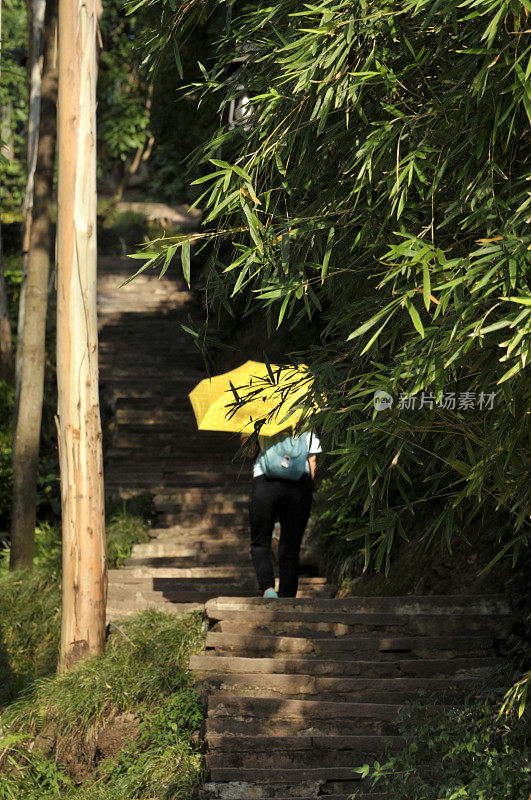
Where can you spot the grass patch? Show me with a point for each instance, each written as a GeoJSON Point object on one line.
{"type": "Point", "coordinates": [30, 621]}
{"type": "Point", "coordinates": [124, 529]}
{"type": "Point", "coordinates": [120, 725]}
{"type": "Point", "coordinates": [30, 602]}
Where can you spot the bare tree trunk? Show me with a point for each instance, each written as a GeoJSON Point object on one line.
{"type": "Point", "coordinates": [6, 354]}
{"type": "Point", "coordinates": [36, 12]}
{"type": "Point", "coordinates": [78, 422]}
{"type": "Point", "coordinates": [27, 430]}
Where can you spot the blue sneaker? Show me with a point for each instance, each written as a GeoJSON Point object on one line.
{"type": "Point", "coordinates": [270, 593]}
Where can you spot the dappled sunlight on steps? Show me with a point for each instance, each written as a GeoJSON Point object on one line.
{"type": "Point", "coordinates": [301, 692]}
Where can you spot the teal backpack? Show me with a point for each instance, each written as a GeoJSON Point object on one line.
{"type": "Point", "coordinates": [284, 457]}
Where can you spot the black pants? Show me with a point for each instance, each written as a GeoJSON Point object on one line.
{"type": "Point", "coordinates": [289, 502]}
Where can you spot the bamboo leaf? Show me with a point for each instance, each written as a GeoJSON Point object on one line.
{"type": "Point", "coordinates": [415, 318]}
{"type": "Point", "coordinates": [284, 251]}
{"type": "Point", "coordinates": [185, 259]}
{"type": "Point", "coordinates": [426, 285]}
{"type": "Point", "coordinates": [177, 56]}
{"type": "Point", "coordinates": [328, 252]}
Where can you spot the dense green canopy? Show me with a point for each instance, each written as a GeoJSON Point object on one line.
{"type": "Point", "coordinates": [381, 183]}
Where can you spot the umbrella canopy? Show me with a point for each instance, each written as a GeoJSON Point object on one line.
{"type": "Point", "coordinates": [267, 398]}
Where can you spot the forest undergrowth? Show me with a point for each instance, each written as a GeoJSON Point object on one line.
{"type": "Point", "coordinates": [124, 724]}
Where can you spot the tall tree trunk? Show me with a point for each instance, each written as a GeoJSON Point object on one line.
{"type": "Point", "coordinates": [36, 13]}
{"type": "Point", "coordinates": [6, 354]}
{"type": "Point", "coordinates": [27, 430]}
{"type": "Point", "coordinates": [78, 423]}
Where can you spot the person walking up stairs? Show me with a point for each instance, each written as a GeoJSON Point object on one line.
{"type": "Point", "coordinates": [199, 548]}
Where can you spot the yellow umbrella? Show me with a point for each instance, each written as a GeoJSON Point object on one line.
{"type": "Point", "coordinates": [266, 399]}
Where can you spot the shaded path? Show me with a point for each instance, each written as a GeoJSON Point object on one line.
{"type": "Point", "coordinates": [148, 365]}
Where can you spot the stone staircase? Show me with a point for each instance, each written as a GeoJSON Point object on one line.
{"type": "Point", "coordinates": [199, 548]}
{"type": "Point", "coordinates": [298, 693]}
{"type": "Point", "coordinates": [301, 692]}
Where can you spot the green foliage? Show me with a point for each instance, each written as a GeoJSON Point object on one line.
{"type": "Point", "coordinates": [148, 768]}
{"type": "Point", "coordinates": [381, 182]}
{"type": "Point", "coordinates": [131, 672]}
{"type": "Point", "coordinates": [123, 531]}
{"type": "Point", "coordinates": [30, 602]}
{"type": "Point", "coordinates": [31, 776]}
{"type": "Point", "coordinates": [30, 621]}
{"type": "Point", "coordinates": [516, 697]}
{"type": "Point", "coordinates": [143, 671]}
{"type": "Point", "coordinates": [48, 500]}
{"type": "Point", "coordinates": [123, 110]}
{"type": "Point", "coordinates": [137, 111]}
{"type": "Point", "coordinates": [13, 102]}
{"type": "Point", "coordinates": [475, 753]}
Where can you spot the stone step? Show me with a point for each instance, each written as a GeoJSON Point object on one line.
{"type": "Point", "coordinates": [134, 594]}
{"type": "Point", "coordinates": [202, 529]}
{"type": "Point", "coordinates": [281, 726]}
{"type": "Point", "coordinates": [167, 386]}
{"type": "Point", "coordinates": [344, 647]}
{"type": "Point", "coordinates": [184, 549]}
{"type": "Point", "coordinates": [197, 572]}
{"type": "Point", "coordinates": [133, 577]}
{"type": "Point", "coordinates": [150, 481]}
{"type": "Point", "coordinates": [194, 593]}
{"type": "Point", "coordinates": [170, 465]}
{"type": "Point", "coordinates": [364, 796]}
{"type": "Point", "coordinates": [287, 752]}
{"type": "Point", "coordinates": [320, 626]}
{"type": "Point", "coordinates": [189, 516]}
{"type": "Point", "coordinates": [184, 362]}
{"type": "Point", "coordinates": [235, 552]}
{"type": "Point", "coordinates": [410, 668]}
{"type": "Point", "coordinates": [231, 714]}
{"type": "Point", "coordinates": [295, 777]}
{"type": "Point", "coordinates": [307, 790]}
{"type": "Point", "coordinates": [222, 561]}
{"type": "Point", "coordinates": [150, 579]}
{"type": "Point", "coordinates": [250, 792]}
{"type": "Point", "coordinates": [154, 484]}
{"type": "Point", "coordinates": [336, 797]}
{"type": "Point", "coordinates": [176, 417]}
{"type": "Point", "coordinates": [221, 705]}
{"type": "Point", "coordinates": [232, 564]}
{"type": "Point", "coordinates": [406, 604]}
{"type": "Point", "coordinates": [118, 610]}
{"type": "Point", "coordinates": [147, 471]}
{"type": "Point", "coordinates": [196, 533]}
{"type": "Point", "coordinates": [149, 443]}
{"type": "Point", "coordinates": [195, 499]}
{"type": "Point", "coordinates": [172, 519]}
{"type": "Point", "coordinates": [355, 689]}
